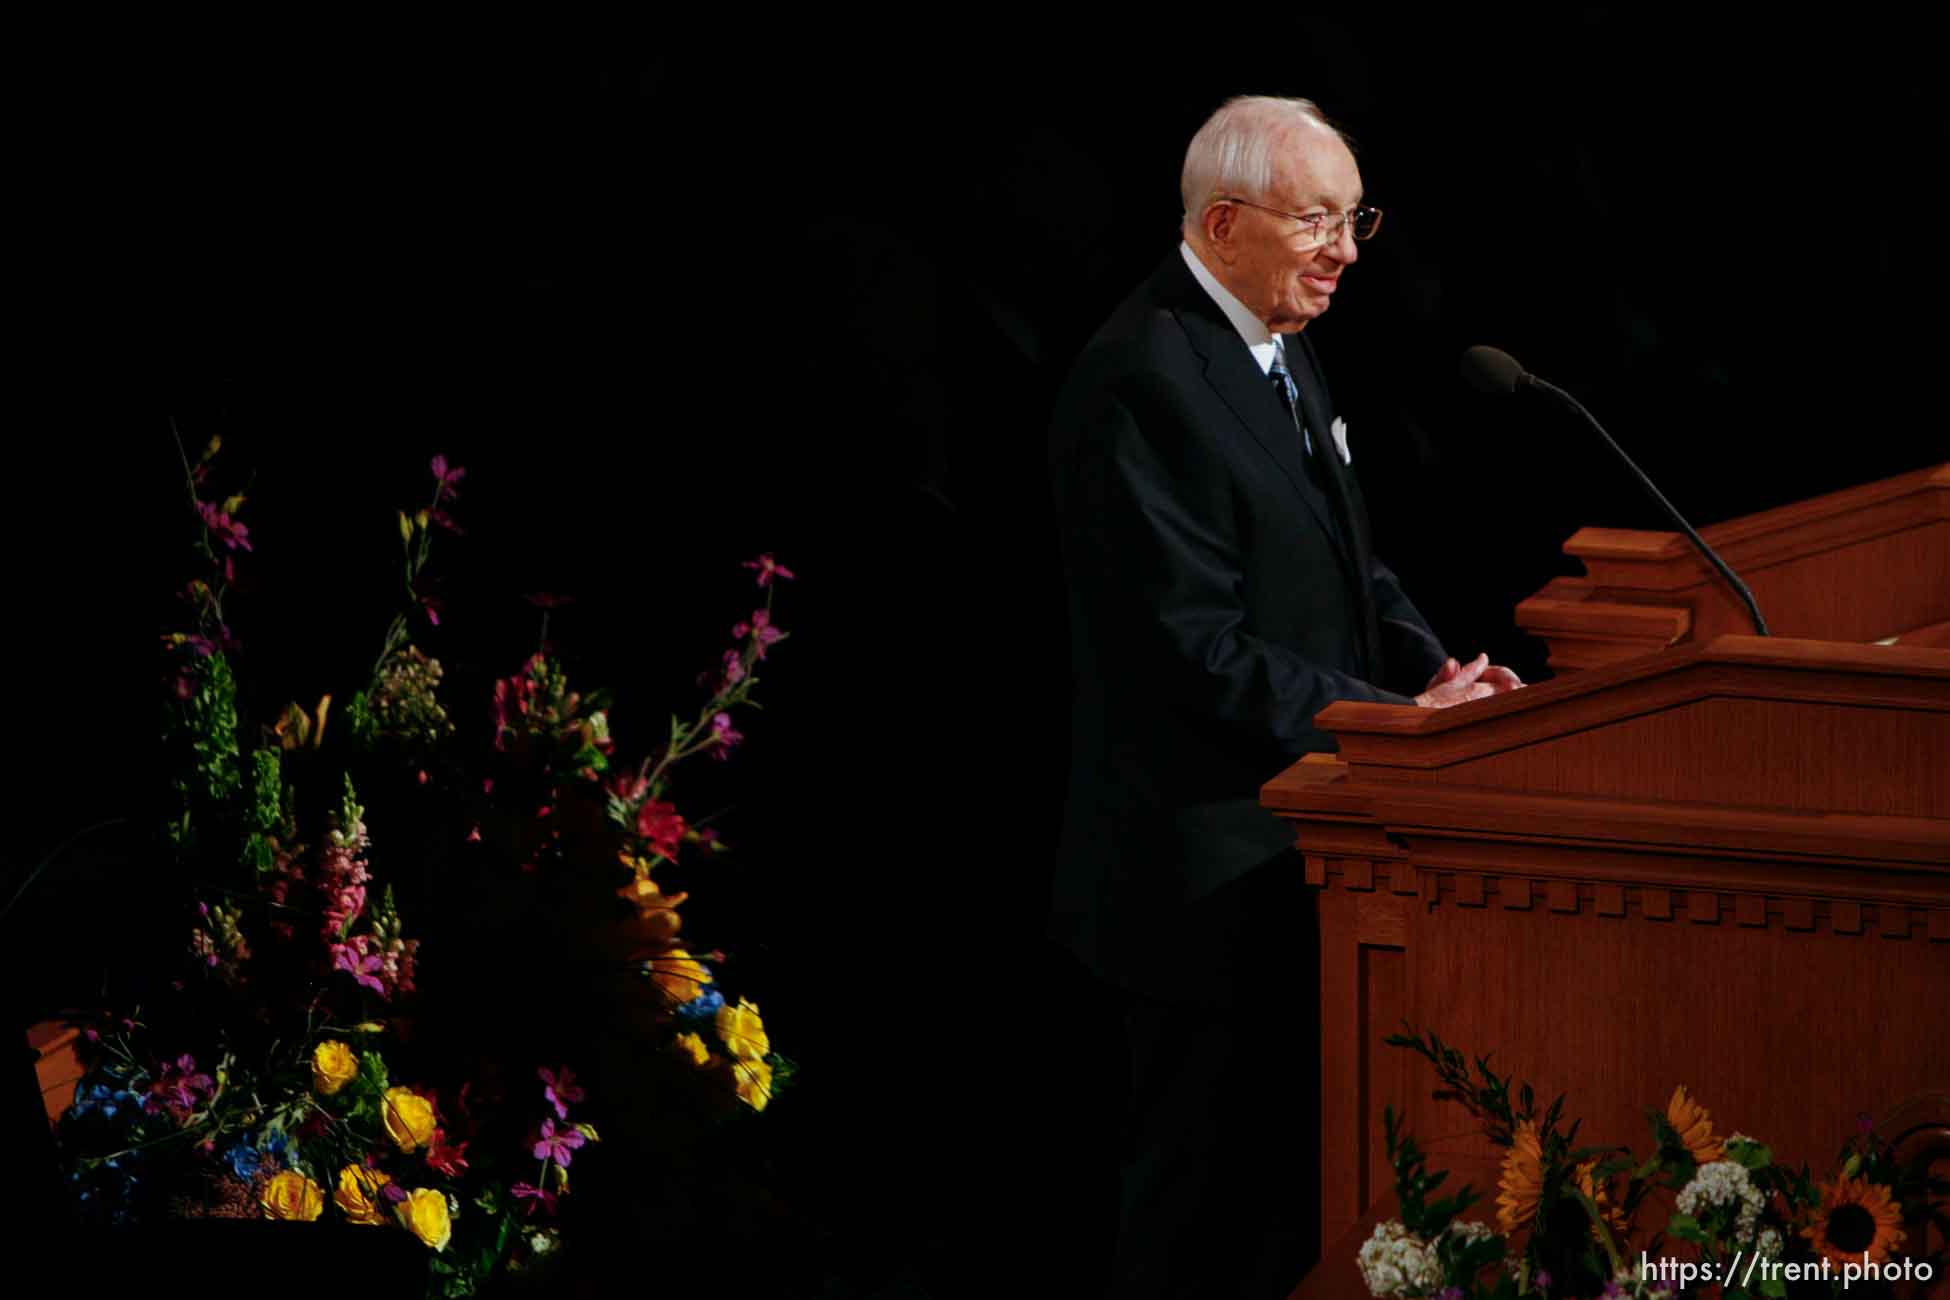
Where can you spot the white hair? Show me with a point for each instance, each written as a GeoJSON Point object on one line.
{"type": "Point", "coordinates": [1233, 152]}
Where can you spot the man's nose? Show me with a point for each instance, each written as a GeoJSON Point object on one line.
{"type": "Point", "coordinates": [1342, 247]}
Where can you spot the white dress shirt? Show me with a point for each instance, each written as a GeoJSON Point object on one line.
{"type": "Point", "coordinates": [1260, 341]}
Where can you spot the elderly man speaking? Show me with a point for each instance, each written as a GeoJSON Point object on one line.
{"type": "Point", "coordinates": [1223, 589]}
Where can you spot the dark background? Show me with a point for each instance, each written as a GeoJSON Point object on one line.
{"type": "Point", "coordinates": [674, 306]}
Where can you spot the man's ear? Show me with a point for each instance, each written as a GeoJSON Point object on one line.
{"type": "Point", "coordinates": [1220, 223]}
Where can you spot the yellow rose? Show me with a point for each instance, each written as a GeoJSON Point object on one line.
{"type": "Point", "coordinates": [332, 1067]}
{"type": "Point", "coordinates": [408, 1118]}
{"type": "Point", "coordinates": [752, 1080]}
{"type": "Point", "coordinates": [679, 976]}
{"type": "Point", "coordinates": [291, 1195]}
{"type": "Point", "coordinates": [358, 1194]}
{"type": "Point", "coordinates": [742, 1031]}
{"type": "Point", "coordinates": [424, 1214]}
{"type": "Point", "coordinates": [655, 909]}
{"type": "Point", "coordinates": [692, 1049]}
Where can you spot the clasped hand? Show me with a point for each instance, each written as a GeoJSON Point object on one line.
{"type": "Point", "coordinates": [1456, 683]}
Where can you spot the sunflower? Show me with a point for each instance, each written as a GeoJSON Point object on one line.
{"type": "Point", "coordinates": [1522, 1180]}
{"type": "Point", "coordinates": [1695, 1128]}
{"type": "Point", "coordinates": [1855, 1216]}
{"type": "Point", "coordinates": [1600, 1194]}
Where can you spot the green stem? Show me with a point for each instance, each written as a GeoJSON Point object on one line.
{"type": "Point", "coordinates": [1604, 1233]}
{"type": "Point", "coordinates": [203, 534]}
{"type": "Point", "coordinates": [56, 852]}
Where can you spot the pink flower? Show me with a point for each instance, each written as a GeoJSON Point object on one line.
{"type": "Point", "coordinates": [511, 697]}
{"type": "Point", "coordinates": [233, 535]}
{"type": "Point", "coordinates": [723, 733]}
{"type": "Point", "coordinates": [628, 786]}
{"type": "Point", "coordinates": [363, 968]}
{"type": "Point", "coordinates": [558, 1088]}
{"type": "Point", "coordinates": [734, 668]}
{"type": "Point", "coordinates": [555, 1146]}
{"type": "Point", "coordinates": [342, 907]}
{"type": "Point", "coordinates": [448, 479]}
{"type": "Point", "coordinates": [768, 569]}
{"type": "Point", "coordinates": [660, 824]}
{"type": "Point", "coordinates": [760, 628]}
{"type": "Point", "coordinates": [179, 1089]}
{"type": "Point", "coordinates": [445, 520]}
{"type": "Point", "coordinates": [537, 1197]}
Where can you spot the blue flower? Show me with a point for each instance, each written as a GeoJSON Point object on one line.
{"type": "Point", "coordinates": [275, 1144]}
{"type": "Point", "coordinates": [701, 1008]}
{"type": "Point", "coordinates": [100, 1096]}
{"type": "Point", "coordinates": [243, 1160]}
{"type": "Point", "coordinates": [88, 1097]}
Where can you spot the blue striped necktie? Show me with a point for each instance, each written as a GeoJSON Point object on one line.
{"type": "Point", "coordinates": [1289, 394]}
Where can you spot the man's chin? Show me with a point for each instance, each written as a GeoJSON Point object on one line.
{"type": "Point", "coordinates": [1297, 321]}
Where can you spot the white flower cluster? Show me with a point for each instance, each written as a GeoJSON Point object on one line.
{"type": "Point", "coordinates": [1723, 1183]}
{"type": "Point", "coordinates": [1395, 1262]}
{"type": "Point", "coordinates": [1769, 1244]}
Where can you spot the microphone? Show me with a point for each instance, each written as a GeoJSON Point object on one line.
{"type": "Point", "coordinates": [1491, 370]}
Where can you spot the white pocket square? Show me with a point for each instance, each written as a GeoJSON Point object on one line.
{"type": "Point", "coordinates": [1339, 430]}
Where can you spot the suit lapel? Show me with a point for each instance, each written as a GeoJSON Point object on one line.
{"type": "Point", "coordinates": [1313, 404]}
{"type": "Point", "coordinates": [1239, 382]}
{"type": "Point", "coordinates": [1314, 410]}
{"type": "Point", "coordinates": [1244, 388]}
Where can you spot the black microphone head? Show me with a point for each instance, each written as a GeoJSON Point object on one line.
{"type": "Point", "coordinates": [1491, 370]}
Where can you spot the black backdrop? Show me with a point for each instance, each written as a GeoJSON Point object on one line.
{"type": "Point", "coordinates": [672, 307]}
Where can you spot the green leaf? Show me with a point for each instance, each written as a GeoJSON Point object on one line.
{"type": "Point", "coordinates": [1750, 1155]}
{"type": "Point", "coordinates": [372, 1074]}
{"type": "Point", "coordinates": [1686, 1228]}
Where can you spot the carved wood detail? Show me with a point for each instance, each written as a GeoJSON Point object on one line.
{"type": "Point", "coordinates": [1434, 887]}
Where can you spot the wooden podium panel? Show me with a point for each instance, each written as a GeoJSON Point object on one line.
{"type": "Point", "coordinates": [1727, 866]}
{"type": "Point", "coordinates": [1862, 565]}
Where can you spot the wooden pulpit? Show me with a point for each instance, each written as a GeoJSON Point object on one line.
{"type": "Point", "coordinates": [1869, 564]}
{"type": "Point", "coordinates": [1721, 860]}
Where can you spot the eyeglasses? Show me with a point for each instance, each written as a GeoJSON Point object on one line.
{"type": "Point", "coordinates": [1320, 227]}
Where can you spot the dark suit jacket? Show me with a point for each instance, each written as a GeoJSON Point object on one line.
{"type": "Point", "coordinates": [1216, 605]}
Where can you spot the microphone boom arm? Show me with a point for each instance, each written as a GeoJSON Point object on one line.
{"type": "Point", "coordinates": [1699, 543]}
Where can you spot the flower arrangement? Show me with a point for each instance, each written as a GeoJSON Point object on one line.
{"type": "Point", "coordinates": [312, 1060]}
{"type": "Point", "coordinates": [1572, 1221]}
